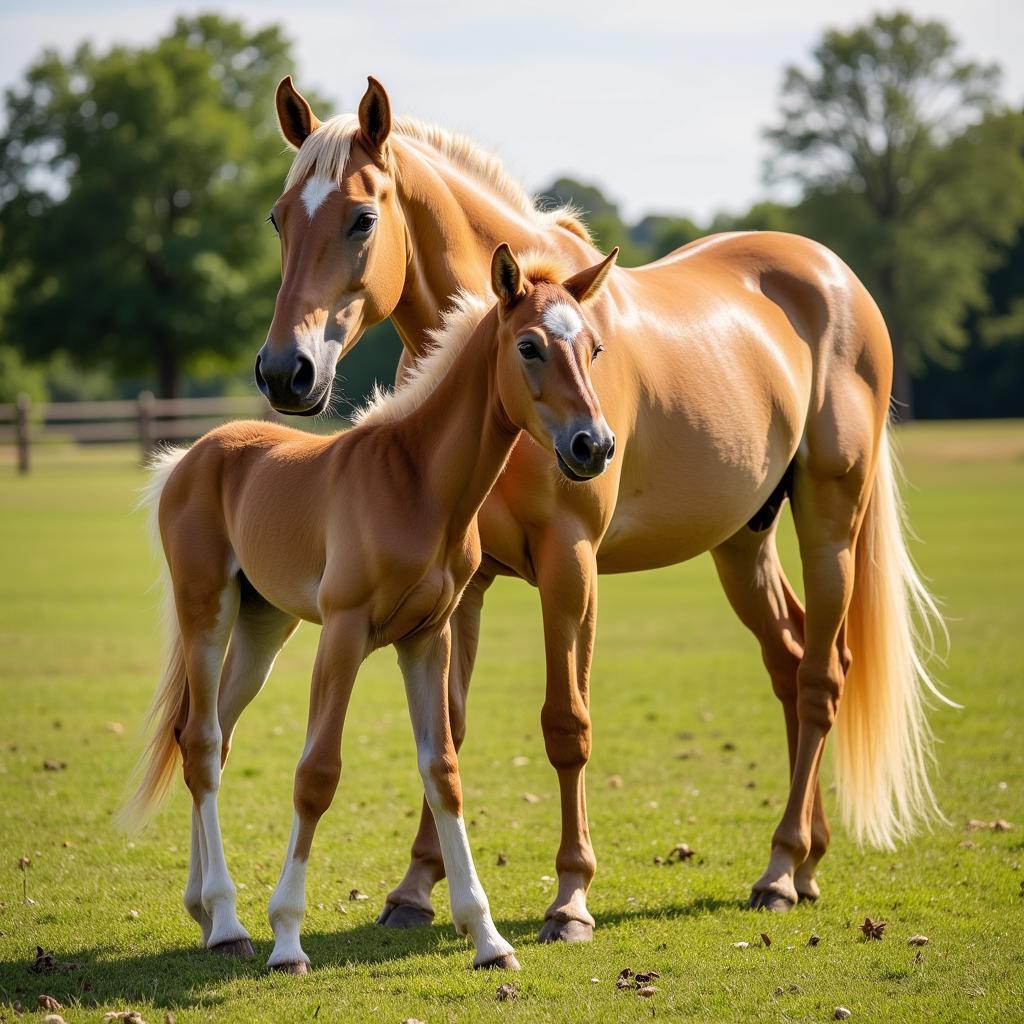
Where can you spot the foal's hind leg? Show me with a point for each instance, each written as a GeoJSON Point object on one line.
{"type": "Point", "coordinates": [259, 633]}
{"type": "Point", "coordinates": [828, 508]}
{"type": "Point", "coordinates": [763, 599]}
{"type": "Point", "coordinates": [206, 598]}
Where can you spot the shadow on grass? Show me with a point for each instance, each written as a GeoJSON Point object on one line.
{"type": "Point", "coordinates": [184, 977]}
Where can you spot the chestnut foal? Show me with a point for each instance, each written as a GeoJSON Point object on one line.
{"type": "Point", "coordinates": [373, 533]}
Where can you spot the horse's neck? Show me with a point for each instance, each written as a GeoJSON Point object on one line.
{"type": "Point", "coordinates": [454, 226]}
{"type": "Point", "coordinates": [460, 434]}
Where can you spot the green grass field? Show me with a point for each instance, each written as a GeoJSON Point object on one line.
{"type": "Point", "coordinates": [683, 713]}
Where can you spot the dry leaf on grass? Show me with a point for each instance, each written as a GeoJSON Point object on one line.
{"type": "Point", "coordinates": [47, 963]}
{"type": "Point", "coordinates": [917, 940]}
{"type": "Point", "coordinates": [355, 896]}
{"type": "Point", "coordinates": [128, 1016]}
{"type": "Point", "coordinates": [646, 990]}
{"type": "Point", "coordinates": [531, 798]}
{"type": "Point", "coordinates": [506, 992]}
{"type": "Point", "coordinates": [766, 939]}
{"type": "Point", "coordinates": [873, 930]}
{"type": "Point", "coordinates": [842, 1013]}
{"type": "Point", "coordinates": [502, 859]}
{"type": "Point", "coordinates": [49, 1003]}
{"type": "Point", "coordinates": [53, 1018]}
{"type": "Point", "coordinates": [814, 940]}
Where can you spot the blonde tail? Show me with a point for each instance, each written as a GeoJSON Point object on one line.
{"type": "Point", "coordinates": [883, 742]}
{"type": "Point", "coordinates": [156, 767]}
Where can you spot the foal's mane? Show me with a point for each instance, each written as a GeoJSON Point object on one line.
{"type": "Point", "coordinates": [458, 323]}
{"type": "Point", "coordinates": [327, 150]}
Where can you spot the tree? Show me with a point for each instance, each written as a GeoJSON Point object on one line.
{"type": "Point", "coordinates": [912, 171]}
{"type": "Point", "coordinates": [133, 185]}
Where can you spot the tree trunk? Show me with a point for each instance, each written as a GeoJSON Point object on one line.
{"type": "Point", "coordinates": [168, 372]}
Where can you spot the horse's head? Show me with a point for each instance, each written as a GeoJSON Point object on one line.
{"type": "Point", "coordinates": [343, 246]}
{"type": "Point", "coordinates": [546, 348]}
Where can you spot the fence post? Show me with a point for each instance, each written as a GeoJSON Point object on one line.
{"type": "Point", "coordinates": [146, 402]}
{"type": "Point", "coordinates": [23, 407]}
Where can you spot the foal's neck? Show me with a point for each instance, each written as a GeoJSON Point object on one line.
{"type": "Point", "coordinates": [454, 226]}
{"type": "Point", "coordinates": [460, 434]}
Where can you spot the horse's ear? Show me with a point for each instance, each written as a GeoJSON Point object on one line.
{"type": "Point", "coordinates": [587, 283]}
{"type": "Point", "coordinates": [506, 277]}
{"type": "Point", "coordinates": [375, 115]}
{"type": "Point", "coordinates": [294, 115]}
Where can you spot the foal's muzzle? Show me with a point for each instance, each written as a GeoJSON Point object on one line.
{"type": "Point", "coordinates": [586, 451]}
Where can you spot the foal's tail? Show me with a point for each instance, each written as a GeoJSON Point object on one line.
{"type": "Point", "coordinates": [155, 770]}
{"type": "Point", "coordinates": [883, 743]}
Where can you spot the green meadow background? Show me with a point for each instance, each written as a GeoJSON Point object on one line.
{"type": "Point", "coordinates": [683, 714]}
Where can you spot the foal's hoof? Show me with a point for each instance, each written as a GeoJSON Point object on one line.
{"type": "Point", "coordinates": [508, 962]}
{"type": "Point", "coordinates": [401, 915]}
{"type": "Point", "coordinates": [807, 897]}
{"type": "Point", "coordinates": [566, 931]}
{"type": "Point", "coordinates": [300, 967]}
{"type": "Point", "coordinates": [236, 947]}
{"type": "Point", "coordinates": [768, 899]}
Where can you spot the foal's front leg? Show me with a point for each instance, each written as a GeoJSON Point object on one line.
{"type": "Point", "coordinates": [408, 905]}
{"type": "Point", "coordinates": [424, 661]}
{"type": "Point", "coordinates": [343, 645]}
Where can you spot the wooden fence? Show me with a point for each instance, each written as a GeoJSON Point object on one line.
{"type": "Point", "coordinates": [146, 420]}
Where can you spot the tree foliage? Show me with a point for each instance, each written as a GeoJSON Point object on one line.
{"type": "Point", "coordinates": [912, 171]}
{"type": "Point", "coordinates": [132, 188]}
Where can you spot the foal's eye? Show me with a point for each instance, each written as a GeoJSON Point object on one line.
{"type": "Point", "coordinates": [364, 224]}
{"type": "Point", "coordinates": [272, 222]}
{"type": "Point", "coordinates": [597, 352]}
{"type": "Point", "coordinates": [528, 350]}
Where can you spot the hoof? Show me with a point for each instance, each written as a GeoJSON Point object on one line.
{"type": "Point", "coordinates": [236, 947]}
{"type": "Point", "coordinates": [300, 967]}
{"type": "Point", "coordinates": [807, 897]}
{"type": "Point", "coordinates": [508, 962]}
{"type": "Point", "coordinates": [566, 931]}
{"type": "Point", "coordinates": [770, 900]}
{"type": "Point", "coordinates": [401, 915]}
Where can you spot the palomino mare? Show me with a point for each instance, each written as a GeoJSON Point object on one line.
{"type": "Point", "coordinates": [741, 370]}
{"type": "Point", "coordinates": [372, 533]}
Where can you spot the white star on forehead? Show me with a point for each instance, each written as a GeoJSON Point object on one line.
{"type": "Point", "coordinates": [315, 192]}
{"type": "Point", "coordinates": [561, 320]}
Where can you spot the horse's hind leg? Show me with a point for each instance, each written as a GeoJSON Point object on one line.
{"type": "Point", "coordinates": [753, 579]}
{"type": "Point", "coordinates": [829, 496]}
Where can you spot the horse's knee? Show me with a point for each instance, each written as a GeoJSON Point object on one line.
{"type": "Point", "coordinates": [567, 736]}
{"type": "Point", "coordinates": [200, 746]}
{"type": "Point", "coordinates": [441, 782]}
{"type": "Point", "coordinates": [316, 781]}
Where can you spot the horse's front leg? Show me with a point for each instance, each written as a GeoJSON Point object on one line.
{"type": "Point", "coordinates": [567, 580]}
{"type": "Point", "coordinates": [343, 645]}
{"type": "Point", "coordinates": [408, 905]}
{"type": "Point", "coordinates": [424, 659]}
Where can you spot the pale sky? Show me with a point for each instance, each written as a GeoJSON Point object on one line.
{"type": "Point", "coordinates": [660, 103]}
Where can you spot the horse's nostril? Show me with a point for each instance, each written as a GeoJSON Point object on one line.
{"type": "Point", "coordinates": [611, 451]}
{"type": "Point", "coordinates": [304, 377]}
{"type": "Point", "coordinates": [581, 447]}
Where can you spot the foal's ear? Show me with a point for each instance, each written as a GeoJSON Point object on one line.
{"type": "Point", "coordinates": [506, 277]}
{"type": "Point", "coordinates": [375, 115]}
{"type": "Point", "coordinates": [294, 115]}
{"type": "Point", "coordinates": [587, 283]}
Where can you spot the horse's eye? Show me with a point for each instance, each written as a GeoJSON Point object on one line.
{"type": "Point", "coordinates": [597, 351]}
{"type": "Point", "coordinates": [364, 224]}
{"type": "Point", "coordinates": [528, 350]}
{"type": "Point", "coordinates": [273, 223]}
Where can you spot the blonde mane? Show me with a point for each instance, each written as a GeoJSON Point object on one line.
{"type": "Point", "coordinates": [458, 323]}
{"type": "Point", "coordinates": [327, 150]}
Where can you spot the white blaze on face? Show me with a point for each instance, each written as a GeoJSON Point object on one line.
{"type": "Point", "coordinates": [315, 193]}
{"type": "Point", "coordinates": [561, 320]}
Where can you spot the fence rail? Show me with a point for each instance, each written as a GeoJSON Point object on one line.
{"type": "Point", "coordinates": [147, 420]}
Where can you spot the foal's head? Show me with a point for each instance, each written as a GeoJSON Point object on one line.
{"type": "Point", "coordinates": [343, 246]}
{"type": "Point", "coordinates": [545, 350]}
